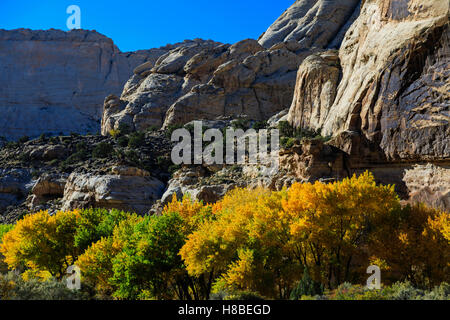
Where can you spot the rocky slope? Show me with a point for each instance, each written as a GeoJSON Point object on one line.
{"type": "Point", "coordinates": [81, 171]}
{"type": "Point", "coordinates": [61, 79]}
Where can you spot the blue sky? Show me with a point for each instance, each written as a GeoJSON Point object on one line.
{"type": "Point", "coordinates": [144, 24]}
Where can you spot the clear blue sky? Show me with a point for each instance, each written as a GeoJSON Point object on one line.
{"type": "Point", "coordinates": [144, 24]}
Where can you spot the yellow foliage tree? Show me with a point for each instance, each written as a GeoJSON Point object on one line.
{"type": "Point", "coordinates": [247, 245]}
{"type": "Point", "coordinates": [413, 244]}
{"type": "Point", "coordinates": [329, 224]}
{"type": "Point", "coordinates": [42, 243]}
{"type": "Point", "coordinates": [262, 241]}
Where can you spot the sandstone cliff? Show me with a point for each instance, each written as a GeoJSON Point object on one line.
{"type": "Point", "coordinates": [385, 96]}
{"type": "Point", "coordinates": [312, 23]}
{"type": "Point", "coordinates": [208, 80]}
{"type": "Point", "coordinates": [54, 81]}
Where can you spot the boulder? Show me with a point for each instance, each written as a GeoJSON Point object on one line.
{"type": "Point", "coordinates": [125, 192]}
{"type": "Point", "coordinates": [15, 184]}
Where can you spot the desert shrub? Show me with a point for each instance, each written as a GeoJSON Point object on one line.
{"type": "Point", "coordinates": [11, 145]}
{"type": "Point", "coordinates": [403, 291]}
{"type": "Point", "coordinates": [285, 128]}
{"type": "Point", "coordinates": [243, 124]}
{"type": "Point", "coordinates": [347, 291]}
{"type": "Point", "coordinates": [122, 141]}
{"type": "Point", "coordinates": [441, 292]}
{"type": "Point", "coordinates": [81, 154]}
{"type": "Point", "coordinates": [13, 287]}
{"type": "Point", "coordinates": [171, 128]}
{"type": "Point", "coordinates": [102, 150]}
{"type": "Point", "coordinates": [136, 140]}
{"type": "Point", "coordinates": [287, 142]}
{"type": "Point", "coordinates": [114, 133]}
{"type": "Point", "coordinates": [132, 157]}
{"type": "Point", "coordinates": [124, 128]}
{"type": "Point", "coordinates": [152, 128]}
{"type": "Point", "coordinates": [23, 139]}
{"type": "Point", "coordinates": [397, 291]}
{"type": "Point", "coordinates": [258, 125]}
{"type": "Point", "coordinates": [288, 131]}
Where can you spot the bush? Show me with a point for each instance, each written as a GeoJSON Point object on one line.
{"type": "Point", "coordinates": [152, 128]}
{"type": "Point", "coordinates": [102, 150]}
{"type": "Point", "coordinates": [240, 124]}
{"type": "Point", "coordinates": [136, 140]}
{"type": "Point", "coordinates": [124, 128]}
{"type": "Point", "coordinates": [398, 291]}
{"type": "Point", "coordinates": [171, 128]}
{"type": "Point", "coordinates": [24, 139]}
{"type": "Point", "coordinates": [122, 141]}
{"type": "Point", "coordinates": [288, 142]}
{"type": "Point", "coordinates": [114, 133]}
{"type": "Point", "coordinates": [13, 287]}
{"type": "Point", "coordinates": [258, 125]}
{"type": "Point", "coordinates": [285, 129]}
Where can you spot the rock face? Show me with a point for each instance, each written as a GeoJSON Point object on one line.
{"type": "Point", "coordinates": [386, 99]}
{"type": "Point", "coordinates": [315, 90]}
{"type": "Point", "coordinates": [429, 184]}
{"type": "Point", "coordinates": [130, 190]}
{"type": "Point", "coordinates": [206, 80]}
{"type": "Point", "coordinates": [396, 95]}
{"type": "Point", "coordinates": [14, 186]}
{"type": "Point", "coordinates": [54, 81]}
{"type": "Point", "coordinates": [312, 23]}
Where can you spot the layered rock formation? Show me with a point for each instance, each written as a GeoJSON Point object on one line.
{"type": "Point", "coordinates": [396, 94]}
{"type": "Point", "coordinates": [315, 90]}
{"type": "Point", "coordinates": [54, 81]}
{"type": "Point", "coordinates": [206, 81]}
{"type": "Point", "coordinates": [390, 107]}
{"type": "Point", "coordinates": [209, 80]}
{"type": "Point", "coordinates": [313, 24]}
